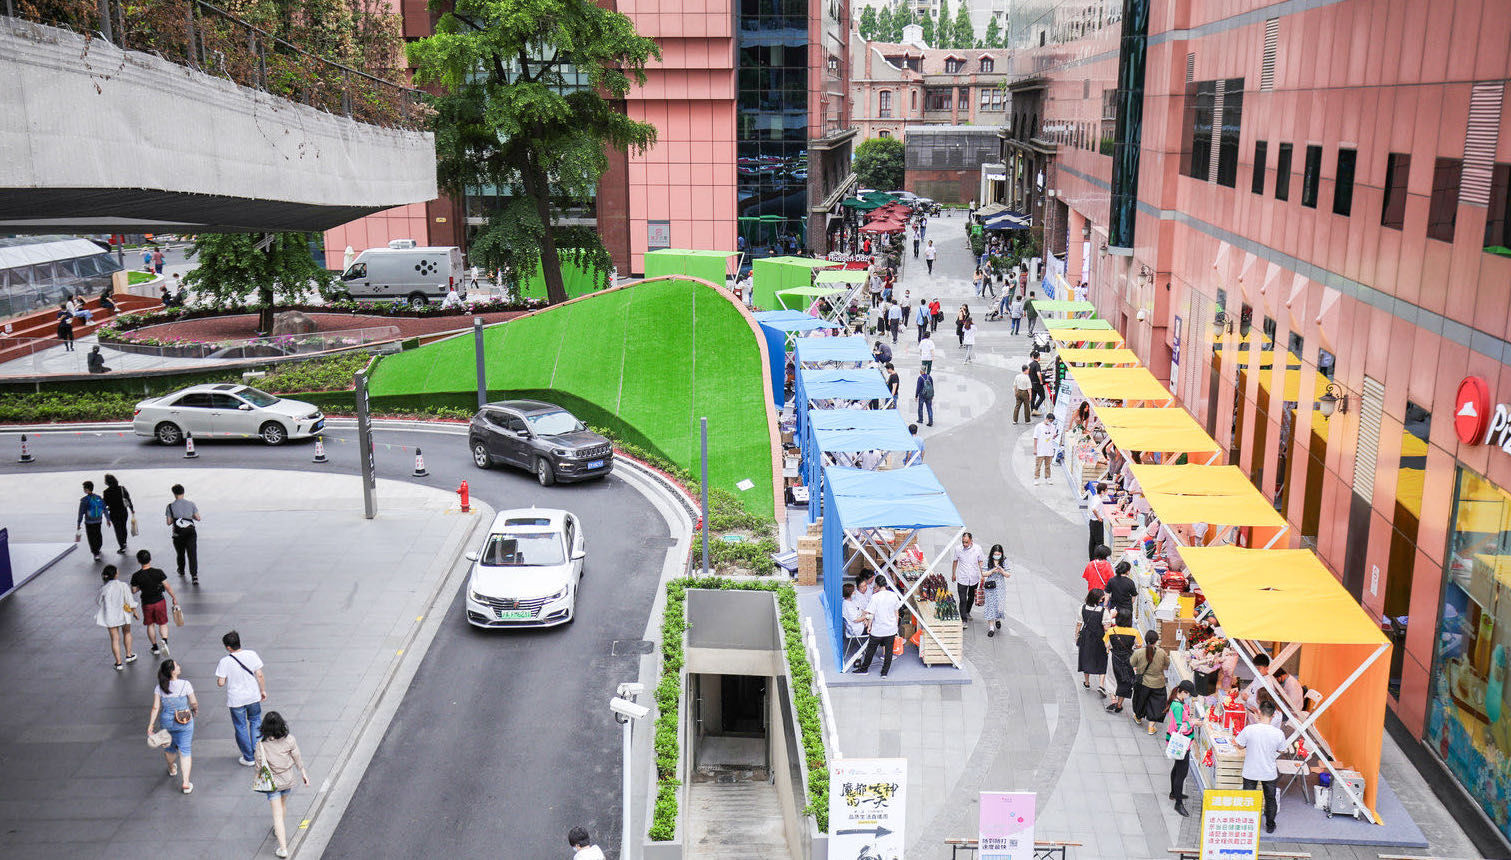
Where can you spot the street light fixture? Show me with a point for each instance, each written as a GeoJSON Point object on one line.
{"type": "Point", "coordinates": [626, 712]}
{"type": "Point", "coordinates": [1330, 402]}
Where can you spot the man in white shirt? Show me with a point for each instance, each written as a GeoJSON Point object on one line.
{"type": "Point", "coordinates": [870, 460]}
{"type": "Point", "coordinates": [1290, 689]}
{"type": "Point", "coordinates": [240, 672]}
{"type": "Point", "coordinates": [853, 610]}
{"type": "Point", "coordinates": [881, 613]}
{"type": "Point", "coordinates": [1094, 519]}
{"type": "Point", "coordinates": [967, 566]}
{"type": "Point", "coordinates": [926, 353]}
{"type": "Point", "coordinates": [583, 847]}
{"type": "Point", "coordinates": [1262, 743]}
{"type": "Point", "coordinates": [928, 256]}
{"type": "Point", "coordinates": [1046, 437]}
{"type": "Point", "coordinates": [1251, 695]}
{"type": "Point", "coordinates": [894, 319]}
{"type": "Point", "coordinates": [1022, 392]}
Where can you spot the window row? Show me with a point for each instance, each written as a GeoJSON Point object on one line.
{"type": "Point", "coordinates": [1213, 117]}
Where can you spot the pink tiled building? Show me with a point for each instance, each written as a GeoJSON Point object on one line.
{"type": "Point", "coordinates": [1312, 223]}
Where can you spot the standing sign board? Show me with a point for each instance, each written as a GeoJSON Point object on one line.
{"type": "Point", "coordinates": [1007, 826]}
{"type": "Point", "coordinates": [1230, 824]}
{"type": "Point", "coordinates": [867, 808]}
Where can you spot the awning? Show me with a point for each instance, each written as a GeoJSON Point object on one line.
{"type": "Point", "coordinates": [1171, 430]}
{"type": "Point", "coordinates": [1282, 595]}
{"type": "Point", "coordinates": [1062, 306]}
{"type": "Point", "coordinates": [1081, 335]}
{"type": "Point", "coordinates": [711, 266]}
{"type": "Point", "coordinates": [842, 276]}
{"type": "Point", "coordinates": [1120, 383]}
{"type": "Point", "coordinates": [1217, 495]}
{"type": "Point", "coordinates": [990, 209]}
{"type": "Point", "coordinates": [791, 321]}
{"type": "Point", "coordinates": [1116, 356]}
{"type": "Point", "coordinates": [778, 327]}
{"type": "Point", "coordinates": [1080, 323]}
{"type": "Point", "coordinates": [882, 227]}
{"type": "Point", "coordinates": [811, 291]}
{"type": "Point", "coordinates": [857, 203]}
{"type": "Point", "coordinates": [1008, 221]}
{"type": "Point", "coordinates": [814, 350]}
{"type": "Point", "coordinates": [910, 498]}
{"type": "Point", "coordinates": [851, 384]}
{"type": "Point", "coordinates": [860, 430]}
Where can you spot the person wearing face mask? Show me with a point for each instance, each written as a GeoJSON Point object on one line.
{"type": "Point", "coordinates": [994, 582]}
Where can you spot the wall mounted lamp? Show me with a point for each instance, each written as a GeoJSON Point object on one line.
{"type": "Point", "coordinates": [1331, 402]}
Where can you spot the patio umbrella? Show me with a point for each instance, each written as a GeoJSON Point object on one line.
{"type": "Point", "coordinates": [882, 227]}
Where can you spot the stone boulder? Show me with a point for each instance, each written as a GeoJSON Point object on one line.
{"type": "Point", "coordinates": [293, 322]}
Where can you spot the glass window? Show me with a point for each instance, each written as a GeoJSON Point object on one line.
{"type": "Point", "coordinates": [1261, 153]}
{"type": "Point", "coordinates": [1444, 208]}
{"type": "Point", "coordinates": [1200, 98]}
{"type": "Point", "coordinates": [523, 549]}
{"type": "Point", "coordinates": [1325, 364]}
{"type": "Point", "coordinates": [1403, 540]}
{"type": "Point", "coordinates": [964, 98]}
{"type": "Point", "coordinates": [1310, 175]}
{"type": "Point", "coordinates": [953, 67]}
{"type": "Point", "coordinates": [1498, 219]}
{"type": "Point", "coordinates": [1343, 186]}
{"type": "Point", "coordinates": [1393, 213]}
{"type": "Point", "coordinates": [886, 104]}
{"type": "Point", "coordinates": [1232, 116]}
{"type": "Point", "coordinates": [1283, 172]}
{"type": "Point", "coordinates": [987, 64]}
{"type": "Point", "coordinates": [937, 99]}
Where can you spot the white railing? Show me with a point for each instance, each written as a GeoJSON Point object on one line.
{"type": "Point", "coordinates": [821, 689]}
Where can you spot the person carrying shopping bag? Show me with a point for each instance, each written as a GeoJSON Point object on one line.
{"type": "Point", "coordinates": [1180, 724]}
{"type": "Point", "coordinates": [115, 608]}
{"type": "Point", "coordinates": [173, 708]}
{"type": "Point", "coordinates": [1149, 665]}
{"type": "Point", "coordinates": [276, 759]}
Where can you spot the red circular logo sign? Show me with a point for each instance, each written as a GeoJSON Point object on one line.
{"type": "Point", "coordinates": [1471, 410]}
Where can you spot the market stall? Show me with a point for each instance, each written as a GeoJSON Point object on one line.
{"type": "Point", "coordinates": [1126, 384]}
{"type": "Point", "coordinates": [770, 274]}
{"type": "Point", "coordinates": [1063, 309]}
{"type": "Point", "coordinates": [1057, 324]}
{"type": "Point", "coordinates": [853, 438]}
{"type": "Point", "coordinates": [781, 330]}
{"type": "Point", "coordinates": [806, 297]}
{"type": "Point", "coordinates": [873, 521]}
{"type": "Point", "coordinates": [1085, 338]}
{"type": "Point", "coordinates": [835, 388]}
{"type": "Point", "coordinates": [1165, 433]}
{"type": "Point", "coordinates": [1220, 496]}
{"type": "Point", "coordinates": [817, 352]}
{"type": "Point", "coordinates": [1114, 357]}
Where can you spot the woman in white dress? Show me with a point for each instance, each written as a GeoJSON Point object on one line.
{"type": "Point", "coordinates": [115, 608]}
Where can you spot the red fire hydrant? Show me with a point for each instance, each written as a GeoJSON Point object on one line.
{"type": "Point", "coordinates": [466, 497]}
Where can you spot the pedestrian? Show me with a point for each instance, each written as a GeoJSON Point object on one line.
{"type": "Point", "coordinates": [1179, 722]}
{"type": "Point", "coordinates": [1121, 589]}
{"type": "Point", "coordinates": [1121, 639]}
{"type": "Point", "coordinates": [65, 328]}
{"type": "Point", "coordinates": [1094, 521]}
{"type": "Point", "coordinates": [1021, 403]}
{"type": "Point", "coordinates": [994, 582]}
{"type": "Point", "coordinates": [1036, 377]}
{"type": "Point", "coordinates": [917, 440]}
{"type": "Point", "coordinates": [117, 506]}
{"type": "Point", "coordinates": [1262, 743]}
{"type": "Point", "coordinates": [93, 517]}
{"type": "Point", "coordinates": [1046, 438]}
{"type": "Point", "coordinates": [928, 256]}
{"type": "Point", "coordinates": [1028, 310]}
{"type": "Point", "coordinates": [148, 584]}
{"type": "Point", "coordinates": [1098, 572]}
{"type": "Point", "coordinates": [1015, 310]}
{"type": "Point", "coordinates": [182, 514]}
{"type": "Point", "coordinates": [1080, 292]}
{"type": "Point", "coordinates": [923, 390]}
{"type": "Point", "coordinates": [987, 283]}
{"type": "Point", "coordinates": [921, 319]}
{"type": "Point", "coordinates": [894, 385]}
{"type": "Point", "coordinates": [582, 847]}
{"type": "Point", "coordinates": [926, 353]}
{"type": "Point", "coordinates": [853, 610]}
{"type": "Point", "coordinates": [976, 282]}
{"type": "Point", "coordinates": [95, 362]}
{"type": "Point", "coordinates": [881, 616]}
{"type": "Point", "coordinates": [107, 298]}
{"type": "Point", "coordinates": [875, 288]}
{"type": "Point", "coordinates": [115, 609]}
{"type": "Point", "coordinates": [915, 243]}
{"type": "Point", "coordinates": [936, 314]}
{"type": "Point", "coordinates": [174, 707]}
{"type": "Point", "coordinates": [147, 260]}
{"type": "Point", "coordinates": [1149, 665]}
{"type": "Point", "coordinates": [960, 317]}
{"type": "Point", "coordinates": [966, 566]}
{"type": "Point", "coordinates": [881, 353]}
{"type": "Point", "coordinates": [968, 340]}
{"type": "Point", "coordinates": [1091, 650]}
{"type": "Point", "coordinates": [276, 758]}
{"type": "Point", "coordinates": [240, 672]}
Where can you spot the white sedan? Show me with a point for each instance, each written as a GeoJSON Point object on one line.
{"type": "Point", "coordinates": [225, 409]}
{"type": "Point", "coordinates": [527, 572]}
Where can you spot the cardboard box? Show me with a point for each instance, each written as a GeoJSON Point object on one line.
{"type": "Point", "coordinates": [810, 543]}
{"type": "Point", "coordinates": [808, 564]}
{"type": "Point", "coordinates": [786, 438]}
{"type": "Point", "coordinates": [1168, 630]}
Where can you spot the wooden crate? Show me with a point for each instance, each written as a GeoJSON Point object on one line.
{"type": "Point", "coordinates": [1227, 767]}
{"type": "Point", "coordinates": [950, 633]}
{"type": "Point", "coordinates": [808, 565]}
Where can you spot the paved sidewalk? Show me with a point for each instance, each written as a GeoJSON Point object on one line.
{"type": "Point", "coordinates": [329, 600]}
{"type": "Point", "coordinates": [1025, 723]}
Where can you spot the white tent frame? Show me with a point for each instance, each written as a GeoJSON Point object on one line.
{"type": "Point", "coordinates": [883, 558]}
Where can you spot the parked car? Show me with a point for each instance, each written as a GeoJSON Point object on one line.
{"type": "Point", "coordinates": [225, 409]}
{"type": "Point", "coordinates": [527, 571]}
{"type": "Point", "coordinates": [541, 437]}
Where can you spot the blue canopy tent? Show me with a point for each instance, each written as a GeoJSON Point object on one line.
{"type": "Point", "coordinates": [841, 432]}
{"type": "Point", "coordinates": [781, 328]}
{"type": "Point", "coordinates": [816, 351]}
{"type": "Point", "coordinates": [857, 504]}
{"type": "Point", "coordinates": [1008, 221]}
{"type": "Point", "coordinates": [860, 384]}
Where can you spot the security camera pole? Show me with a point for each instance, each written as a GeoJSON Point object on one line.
{"type": "Point", "coordinates": [365, 447]}
{"type": "Point", "coordinates": [626, 711]}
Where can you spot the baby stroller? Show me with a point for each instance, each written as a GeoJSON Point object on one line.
{"type": "Point", "coordinates": [998, 309]}
{"type": "Point", "coordinates": [1042, 342]}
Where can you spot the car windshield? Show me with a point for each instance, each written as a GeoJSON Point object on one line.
{"type": "Point", "coordinates": [554, 423]}
{"type": "Point", "coordinates": [523, 549]}
{"type": "Point", "coordinates": [260, 399]}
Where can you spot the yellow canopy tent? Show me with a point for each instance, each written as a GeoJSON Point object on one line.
{"type": "Point", "coordinates": [1220, 495]}
{"type": "Point", "coordinates": [1081, 335]}
{"type": "Point", "coordinates": [1287, 595]}
{"type": "Point", "coordinates": [1113, 356]}
{"type": "Point", "coordinates": [1165, 430]}
{"type": "Point", "coordinates": [1120, 383]}
{"type": "Point", "coordinates": [1085, 323]}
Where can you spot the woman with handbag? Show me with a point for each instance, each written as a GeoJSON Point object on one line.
{"type": "Point", "coordinates": [1121, 640]}
{"type": "Point", "coordinates": [173, 708]}
{"type": "Point", "coordinates": [117, 503]}
{"type": "Point", "coordinates": [1091, 656]}
{"type": "Point", "coordinates": [1180, 724]}
{"type": "Point", "coordinates": [115, 608]}
{"type": "Point", "coordinates": [276, 759]}
{"type": "Point", "coordinates": [992, 585]}
{"type": "Point", "coordinates": [1149, 665]}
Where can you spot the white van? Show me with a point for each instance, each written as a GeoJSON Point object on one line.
{"type": "Point", "coordinates": [417, 275]}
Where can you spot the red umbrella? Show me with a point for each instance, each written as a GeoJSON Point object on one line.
{"type": "Point", "coordinates": [882, 226]}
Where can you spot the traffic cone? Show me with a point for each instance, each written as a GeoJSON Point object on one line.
{"type": "Point", "coordinates": [320, 450]}
{"type": "Point", "coordinates": [419, 464]}
{"type": "Point", "coordinates": [189, 453]}
{"type": "Point", "coordinates": [26, 456]}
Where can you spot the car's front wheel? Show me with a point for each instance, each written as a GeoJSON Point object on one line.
{"type": "Point", "coordinates": [480, 456]}
{"type": "Point", "coordinates": [544, 473]}
{"type": "Point", "coordinates": [168, 433]}
{"type": "Point", "coordinates": [273, 433]}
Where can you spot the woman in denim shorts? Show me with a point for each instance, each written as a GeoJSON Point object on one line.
{"type": "Point", "coordinates": [279, 753]}
{"type": "Point", "coordinates": [172, 699]}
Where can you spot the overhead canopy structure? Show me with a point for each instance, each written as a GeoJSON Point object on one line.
{"type": "Point", "coordinates": [842, 276]}
{"type": "Point", "coordinates": [834, 386]}
{"type": "Point", "coordinates": [812, 352]}
{"type": "Point", "coordinates": [770, 274]}
{"type": "Point", "coordinates": [1066, 307]}
{"type": "Point", "coordinates": [1082, 323]}
{"type": "Point", "coordinates": [859, 204]}
{"type": "Point", "coordinates": [1219, 495]}
{"type": "Point", "coordinates": [1008, 221]}
{"type": "Point", "coordinates": [883, 226]}
{"type": "Point", "coordinates": [1287, 596]}
{"type": "Point", "coordinates": [1164, 430]}
{"type": "Point", "coordinates": [990, 209]}
{"type": "Point", "coordinates": [780, 329]}
{"type": "Point", "coordinates": [1105, 356]}
{"type": "Point", "coordinates": [836, 435]}
{"type": "Point", "coordinates": [1120, 383]}
{"type": "Point", "coordinates": [808, 293]}
{"type": "Point", "coordinates": [711, 266]}
{"type": "Point", "coordinates": [1081, 335]}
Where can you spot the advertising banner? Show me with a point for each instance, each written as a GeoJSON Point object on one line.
{"type": "Point", "coordinates": [867, 808]}
{"type": "Point", "coordinates": [1007, 826]}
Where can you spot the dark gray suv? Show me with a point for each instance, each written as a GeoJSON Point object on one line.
{"type": "Point", "coordinates": [541, 437]}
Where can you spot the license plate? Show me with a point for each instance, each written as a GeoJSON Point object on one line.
{"type": "Point", "coordinates": [515, 615]}
{"type": "Point", "coordinates": [595, 464]}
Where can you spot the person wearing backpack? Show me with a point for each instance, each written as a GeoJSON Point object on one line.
{"type": "Point", "coordinates": [924, 391]}
{"type": "Point", "coordinates": [92, 517]}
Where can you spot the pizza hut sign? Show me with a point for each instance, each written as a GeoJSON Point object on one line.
{"type": "Point", "coordinates": [1473, 421]}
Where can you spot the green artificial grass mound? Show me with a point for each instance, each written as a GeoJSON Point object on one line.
{"type": "Point", "coordinates": [647, 362]}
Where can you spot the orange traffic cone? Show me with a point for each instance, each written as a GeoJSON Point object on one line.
{"type": "Point", "coordinates": [26, 456]}
{"type": "Point", "coordinates": [189, 452]}
{"type": "Point", "coordinates": [320, 450]}
{"type": "Point", "coordinates": [419, 464]}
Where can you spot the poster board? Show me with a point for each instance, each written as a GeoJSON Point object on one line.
{"type": "Point", "coordinates": [1230, 824]}
{"type": "Point", "coordinates": [867, 808]}
{"type": "Point", "coordinates": [1007, 826]}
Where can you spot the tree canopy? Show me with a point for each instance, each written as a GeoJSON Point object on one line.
{"type": "Point", "coordinates": [527, 107]}
{"type": "Point", "coordinates": [232, 267]}
{"type": "Point", "coordinates": [867, 24]}
{"type": "Point", "coordinates": [962, 32]}
{"type": "Point", "coordinates": [879, 163]}
{"type": "Point", "coordinates": [926, 21]}
{"type": "Point", "coordinates": [993, 37]}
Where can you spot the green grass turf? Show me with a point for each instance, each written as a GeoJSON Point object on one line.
{"type": "Point", "coordinates": [652, 358]}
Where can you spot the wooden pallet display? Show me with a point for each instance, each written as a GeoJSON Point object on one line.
{"type": "Point", "coordinates": [951, 633]}
{"type": "Point", "coordinates": [1227, 757]}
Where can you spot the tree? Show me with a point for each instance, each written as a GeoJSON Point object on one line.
{"type": "Point", "coordinates": [963, 33]}
{"type": "Point", "coordinates": [233, 266]}
{"type": "Point", "coordinates": [868, 23]}
{"type": "Point", "coordinates": [900, 19]}
{"type": "Point", "coordinates": [942, 27]}
{"type": "Point", "coordinates": [879, 163]}
{"type": "Point", "coordinates": [926, 21]}
{"type": "Point", "coordinates": [528, 95]}
{"type": "Point", "coordinates": [883, 26]}
{"type": "Point", "coordinates": [993, 36]}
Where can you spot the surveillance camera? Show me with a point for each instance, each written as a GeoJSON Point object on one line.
{"type": "Point", "coordinates": [626, 708]}
{"type": "Point", "coordinates": [630, 689]}
{"type": "Point", "coordinates": [1142, 315]}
